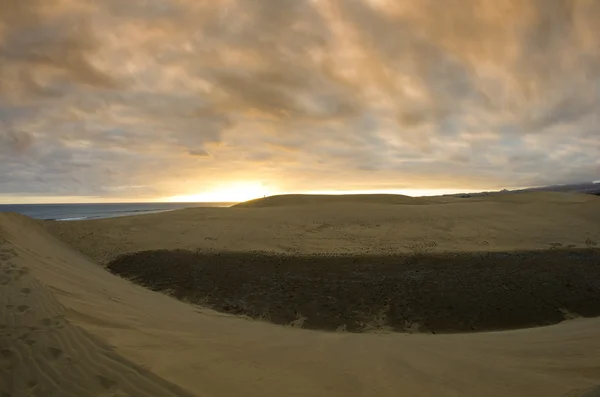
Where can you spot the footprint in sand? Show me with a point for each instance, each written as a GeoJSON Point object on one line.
{"type": "Point", "coordinates": [6, 359]}
{"type": "Point", "coordinates": [32, 385]}
{"type": "Point", "coordinates": [19, 309]}
{"type": "Point", "coordinates": [55, 353]}
{"type": "Point", "coordinates": [107, 383]}
{"type": "Point", "coordinates": [11, 273]}
{"type": "Point", "coordinates": [53, 322]}
{"type": "Point", "coordinates": [8, 251]}
{"type": "Point", "coordinates": [25, 291]}
{"type": "Point", "coordinates": [593, 392]}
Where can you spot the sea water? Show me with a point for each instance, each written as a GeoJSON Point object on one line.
{"type": "Point", "coordinates": [69, 212]}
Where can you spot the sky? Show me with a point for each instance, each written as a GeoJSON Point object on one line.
{"type": "Point", "coordinates": [227, 100]}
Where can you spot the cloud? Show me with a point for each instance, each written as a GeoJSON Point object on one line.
{"type": "Point", "coordinates": [45, 47]}
{"type": "Point", "coordinates": [174, 95]}
{"type": "Point", "coordinates": [199, 153]}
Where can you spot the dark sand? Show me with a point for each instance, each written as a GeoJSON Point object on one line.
{"type": "Point", "coordinates": [437, 293]}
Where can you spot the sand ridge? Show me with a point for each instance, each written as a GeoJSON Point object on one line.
{"type": "Point", "coordinates": [527, 221]}
{"type": "Point", "coordinates": [291, 200]}
{"type": "Point", "coordinates": [286, 200]}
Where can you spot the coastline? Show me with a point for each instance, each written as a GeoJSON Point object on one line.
{"type": "Point", "coordinates": [77, 212]}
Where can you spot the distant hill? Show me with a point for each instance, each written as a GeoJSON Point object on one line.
{"type": "Point", "coordinates": [284, 200]}
{"type": "Point", "coordinates": [584, 187]}
{"type": "Point", "coordinates": [311, 199]}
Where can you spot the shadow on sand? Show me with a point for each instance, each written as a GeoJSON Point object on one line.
{"type": "Point", "coordinates": [451, 292]}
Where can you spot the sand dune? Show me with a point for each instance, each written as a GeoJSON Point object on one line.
{"type": "Point", "coordinates": [537, 197]}
{"type": "Point", "coordinates": [527, 221]}
{"type": "Point", "coordinates": [294, 200]}
{"type": "Point", "coordinates": [69, 327]}
{"type": "Point", "coordinates": [42, 350]}
{"type": "Point", "coordinates": [288, 200]}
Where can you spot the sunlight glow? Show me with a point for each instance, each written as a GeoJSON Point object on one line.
{"type": "Point", "coordinates": [229, 193]}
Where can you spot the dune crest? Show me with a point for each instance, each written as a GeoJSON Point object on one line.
{"type": "Point", "coordinates": [286, 200]}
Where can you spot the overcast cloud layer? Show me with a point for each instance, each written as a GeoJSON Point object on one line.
{"type": "Point", "coordinates": [157, 98]}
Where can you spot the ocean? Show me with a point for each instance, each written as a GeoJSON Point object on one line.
{"type": "Point", "coordinates": [72, 212]}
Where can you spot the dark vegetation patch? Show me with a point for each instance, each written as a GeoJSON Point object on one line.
{"type": "Point", "coordinates": [428, 293]}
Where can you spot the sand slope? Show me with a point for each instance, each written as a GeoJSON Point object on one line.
{"type": "Point", "coordinates": [44, 353]}
{"type": "Point", "coordinates": [211, 354]}
{"type": "Point", "coordinates": [525, 221]}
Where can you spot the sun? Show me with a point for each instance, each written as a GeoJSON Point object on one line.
{"type": "Point", "coordinates": [227, 193]}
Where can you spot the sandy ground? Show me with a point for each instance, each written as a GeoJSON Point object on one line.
{"type": "Point", "coordinates": [494, 223]}
{"type": "Point", "coordinates": [69, 327]}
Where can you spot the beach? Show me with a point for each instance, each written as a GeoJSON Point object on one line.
{"type": "Point", "coordinates": [371, 296]}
